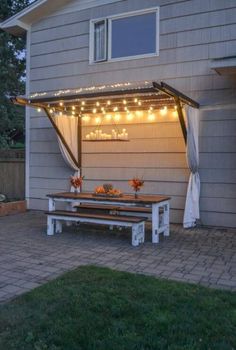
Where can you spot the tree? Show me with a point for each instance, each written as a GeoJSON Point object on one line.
{"type": "Point", "coordinates": [12, 75]}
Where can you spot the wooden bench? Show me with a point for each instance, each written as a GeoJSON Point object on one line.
{"type": "Point", "coordinates": [54, 225]}
{"type": "Point", "coordinates": [117, 210]}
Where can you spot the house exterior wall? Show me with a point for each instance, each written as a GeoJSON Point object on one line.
{"type": "Point", "coordinates": [192, 33]}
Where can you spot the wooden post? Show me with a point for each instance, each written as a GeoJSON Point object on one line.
{"type": "Point", "coordinates": [181, 119]}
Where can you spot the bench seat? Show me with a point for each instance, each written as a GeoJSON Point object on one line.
{"type": "Point", "coordinates": [136, 223]}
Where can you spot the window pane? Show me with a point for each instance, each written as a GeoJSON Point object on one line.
{"type": "Point", "coordinates": [99, 41]}
{"type": "Point", "coordinates": [135, 35]}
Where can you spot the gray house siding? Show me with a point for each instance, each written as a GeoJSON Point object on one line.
{"type": "Point", "coordinates": [191, 34]}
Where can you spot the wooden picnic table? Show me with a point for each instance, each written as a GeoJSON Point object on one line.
{"type": "Point", "coordinates": [155, 202]}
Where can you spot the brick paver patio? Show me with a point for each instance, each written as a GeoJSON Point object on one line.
{"type": "Point", "coordinates": [28, 258]}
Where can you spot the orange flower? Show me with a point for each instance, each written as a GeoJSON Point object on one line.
{"type": "Point", "coordinates": [136, 184]}
{"type": "Point", "coordinates": [76, 181]}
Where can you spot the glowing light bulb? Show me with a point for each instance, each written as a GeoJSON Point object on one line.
{"type": "Point", "coordinates": [97, 104]}
{"type": "Point", "coordinates": [124, 102]}
{"type": "Point", "coordinates": [139, 103]}
{"type": "Point", "coordinates": [108, 102]}
{"type": "Point", "coordinates": [73, 113]}
{"type": "Point", "coordinates": [175, 114]}
{"type": "Point", "coordinates": [135, 100]}
{"type": "Point", "coordinates": [61, 104]}
{"type": "Point", "coordinates": [51, 110]}
{"type": "Point", "coordinates": [83, 103]}
{"type": "Point", "coordinates": [73, 108]}
{"type": "Point", "coordinates": [38, 109]}
{"type": "Point", "coordinates": [82, 108]}
{"type": "Point", "coordinates": [108, 117]}
{"type": "Point", "coordinates": [86, 118]}
{"type": "Point", "coordinates": [60, 113]}
{"type": "Point", "coordinates": [125, 108]}
{"type": "Point", "coordinates": [94, 110]}
{"type": "Point", "coordinates": [130, 117]}
{"type": "Point", "coordinates": [115, 109]}
{"type": "Point", "coordinates": [117, 117]}
{"type": "Point", "coordinates": [164, 111]}
{"type": "Point", "coordinates": [139, 114]}
{"type": "Point", "coordinates": [98, 120]}
{"type": "Point", "coordinates": [151, 117]}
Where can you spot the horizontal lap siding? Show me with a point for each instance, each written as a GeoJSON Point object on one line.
{"type": "Point", "coordinates": [191, 34]}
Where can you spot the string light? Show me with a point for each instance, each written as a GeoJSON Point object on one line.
{"type": "Point", "coordinates": [73, 113]}
{"type": "Point", "coordinates": [97, 104]}
{"type": "Point", "coordinates": [135, 100]}
{"type": "Point", "coordinates": [83, 103]}
{"type": "Point", "coordinates": [73, 108]}
{"type": "Point", "coordinates": [82, 108]}
{"type": "Point", "coordinates": [98, 120]}
{"type": "Point", "coordinates": [124, 102]}
{"type": "Point", "coordinates": [39, 109]}
{"type": "Point", "coordinates": [51, 110]}
{"type": "Point", "coordinates": [94, 110]}
{"type": "Point", "coordinates": [139, 103]}
{"type": "Point", "coordinates": [115, 109]}
{"type": "Point", "coordinates": [61, 104]}
{"type": "Point", "coordinates": [108, 102]}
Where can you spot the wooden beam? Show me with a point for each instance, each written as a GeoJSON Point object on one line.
{"type": "Point", "coordinates": [181, 119]}
{"type": "Point", "coordinates": [61, 136]}
{"type": "Point", "coordinates": [175, 93]}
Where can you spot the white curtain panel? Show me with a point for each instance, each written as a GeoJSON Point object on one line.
{"type": "Point", "coordinates": [68, 126]}
{"type": "Point", "coordinates": [191, 212]}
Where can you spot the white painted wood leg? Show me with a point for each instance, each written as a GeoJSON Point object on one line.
{"type": "Point", "coordinates": [155, 223]}
{"type": "Point", "coordinates": [70, 207]}
{"type": "Point", "coordinates": [50, 226]}
{"type": "Point", "coordinates": [58, 225]}
{"type": "Point", "coordinates": [51, 204]}
{"type": "Point", "coordinates": [166, 219]}
{"type": "Point", "coordinates": [138, 232]}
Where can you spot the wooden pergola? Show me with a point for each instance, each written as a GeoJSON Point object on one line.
{"type": "Point", "coordinates": [89, 100]}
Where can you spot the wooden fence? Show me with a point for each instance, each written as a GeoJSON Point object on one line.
{"type": "Point", "coordinates": [12, 173]}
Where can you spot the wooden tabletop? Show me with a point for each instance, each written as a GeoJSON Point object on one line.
{"type": "Point", "coordinates": [126, 198]}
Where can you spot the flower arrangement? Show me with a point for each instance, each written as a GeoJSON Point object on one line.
{"type": "Point", "coordinates": [107, 190]}
{"type": "Point", "coordinates": [76, 182]}
{"type": "Point", "coordinates": [136, 184]}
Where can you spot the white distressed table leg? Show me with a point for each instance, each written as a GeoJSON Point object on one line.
{"type": "Point", "coordinates": [51, 204]}
{"type": "Point", "coordinates": [167, 219]}
{"type": "Point", "coordinates": [50, 226]}
{"type": "Point", "coordinates": [135, 242]}
{"type": "Point", "coordinates": [58, 226]}
{"type": "Point", "coordinates": [155, 223]}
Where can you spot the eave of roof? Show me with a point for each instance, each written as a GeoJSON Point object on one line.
{"type": "Point", "coordinates": [20, 22]}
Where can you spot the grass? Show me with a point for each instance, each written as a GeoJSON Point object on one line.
{"type": "Point", "coordinates": [98, 308]}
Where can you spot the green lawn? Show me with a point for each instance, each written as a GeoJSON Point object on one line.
{"type": "Point", "coordinates": [101, 309]}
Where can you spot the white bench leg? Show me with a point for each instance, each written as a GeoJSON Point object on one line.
{"type": "Point", "coordinates": [50, 226]}
{"type": "Point", "coordinates": [58, 226]}
{"type": "Point", "coordinates": [166, 219]}
{"type": "Point", "coordinates": [138, 234]}
{"type": "Point", "coordinates": [155, 223]}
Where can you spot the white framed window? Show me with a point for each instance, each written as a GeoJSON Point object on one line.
{"type": "Point", "coordinates": [126, 36]}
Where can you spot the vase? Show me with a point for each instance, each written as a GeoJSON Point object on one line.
{"type": "Point", "coordinates": [135, 195]}
{"type": "Point", "coordinates": [77, 190]}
